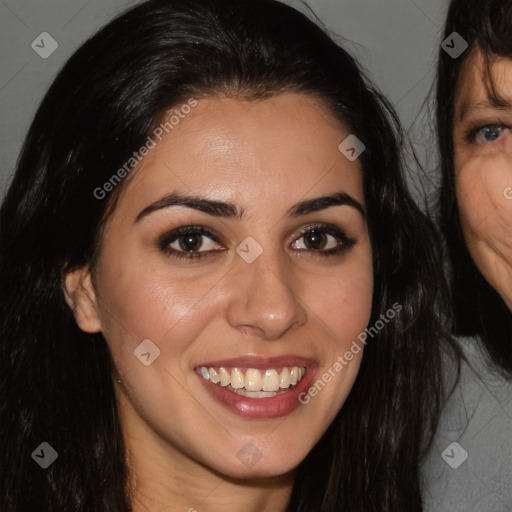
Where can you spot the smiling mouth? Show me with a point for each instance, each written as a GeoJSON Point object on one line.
{"type": "Point", "coordinates": [253, 382]}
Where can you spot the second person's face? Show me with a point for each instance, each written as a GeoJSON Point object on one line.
{"type": "Point", "coordinates": [483, 168]}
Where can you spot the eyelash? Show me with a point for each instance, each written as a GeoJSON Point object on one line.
{"type": "Point", "coordinates": [473, 132]}
{"type": "Point", "coordinates": [345, 242]}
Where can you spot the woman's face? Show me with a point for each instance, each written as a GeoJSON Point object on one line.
{"type": "Point", "coordinates": [483, 168]}
{"type": "Point", "coordinates": [240, 249]}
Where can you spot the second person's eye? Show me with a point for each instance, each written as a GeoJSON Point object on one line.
{"type": "Point", "coordinates": [487, 134]}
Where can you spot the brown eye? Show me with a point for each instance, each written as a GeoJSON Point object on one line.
{"type": "Point", "coordinates": [323, 240]}
{"type": "Point", "coordinates": [315, 240]}
{"type": "Point", "coordinates": [190, 242]}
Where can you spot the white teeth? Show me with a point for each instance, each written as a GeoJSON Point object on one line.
{"type": "Point", "coordinates": [237, 379]}
{"type": "Point", "coordinates": [270, 381]}
{"type": "Point", "coordinates": [214, 376]}
{"type": "Point", "coordinates": [284, 379]}
{"type": "Point", "coordinates": [225, 377]}
{"type": "Point", "coordinates": [254, 382]}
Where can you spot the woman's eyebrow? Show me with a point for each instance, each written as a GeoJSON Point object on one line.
{"type": "Point", "coordinates": [209, 206]}
{"type": "Point", "coordinates": [232, 211]}
{"type": "Point", "coordinates": [490, 104]}
{"type": "Point", "coordinates": [321, 203]}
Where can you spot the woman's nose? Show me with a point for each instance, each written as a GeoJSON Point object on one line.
{"type": "Point", "coordinates": [263, 296]}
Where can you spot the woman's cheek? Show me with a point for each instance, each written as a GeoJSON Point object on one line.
{"type": "Point", "coordinates": [480, 186]}
{"type": "Point", "coordinates": [344, 303]}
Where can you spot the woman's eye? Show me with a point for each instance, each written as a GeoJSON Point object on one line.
{"type": "Point", "coordinates": [193, 242]}
{"type": "Point", "coordinates": [325, 241]}
{"type": "Point", "coordinates": [315, 240]}
{"type": "Point", "coordinates": [197, 242]}
{"type": "Point", "coordinates": [190, 242]}
{"type": "Point", "coordinates": [488, 133]}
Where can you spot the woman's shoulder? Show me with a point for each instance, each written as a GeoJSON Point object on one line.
{"type": "Point", "coordinates": [469, 465]}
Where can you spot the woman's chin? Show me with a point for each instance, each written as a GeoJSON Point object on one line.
{"type": "Point", "coordinates": [251, 464]}
{"type": "Point", "coordinates": [260, 472]}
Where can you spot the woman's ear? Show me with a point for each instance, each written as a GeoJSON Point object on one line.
{"type": "Point", "coordinates": [81, 298]}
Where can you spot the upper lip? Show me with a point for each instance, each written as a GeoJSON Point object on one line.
{"type": "Point", "coordinates": [260, 363]}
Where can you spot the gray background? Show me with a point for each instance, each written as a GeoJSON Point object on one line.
{"type": "Point", "coordinates": [396, 41]}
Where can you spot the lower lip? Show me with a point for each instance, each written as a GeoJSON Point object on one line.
{"type": "Point", "coordinates": [272, 407]}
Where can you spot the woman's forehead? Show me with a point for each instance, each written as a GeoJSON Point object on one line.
{"type": "Point", "coordinates": [485, 83]}
{"type": "Point", "coordinates": [231, 150]}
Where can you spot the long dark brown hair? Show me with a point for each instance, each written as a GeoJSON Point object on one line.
{"type": "Point", "coordinates": [56, 383]}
